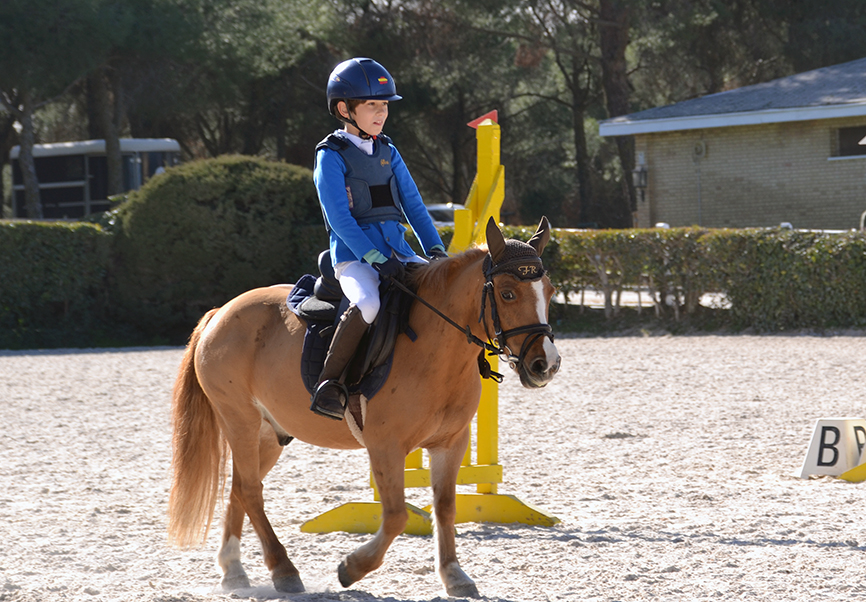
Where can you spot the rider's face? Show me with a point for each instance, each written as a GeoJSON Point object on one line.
{"type": "Point", "coordinates": [370, 116]}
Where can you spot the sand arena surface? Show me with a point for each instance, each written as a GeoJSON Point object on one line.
{"type": "Point", "coordinates": [668, 460]}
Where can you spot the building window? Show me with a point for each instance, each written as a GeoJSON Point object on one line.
{"type": "Point", "coordinates": [850, 141]}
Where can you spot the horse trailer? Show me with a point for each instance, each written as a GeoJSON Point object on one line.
{"type": "Point", "coordinates": [73, 176]}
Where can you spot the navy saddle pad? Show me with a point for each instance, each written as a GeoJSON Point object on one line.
{"type": "Point", "coordinates": [320, 303]}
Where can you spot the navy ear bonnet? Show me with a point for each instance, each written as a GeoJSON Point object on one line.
{"type": "Point", "coordinates": [519, 259]}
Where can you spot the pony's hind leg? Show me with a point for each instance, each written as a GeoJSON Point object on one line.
{"type": "Point", "coordinates": [249, 468]}
{"type": "Point", "coordinates": [229, 555]}
{"type": "Point", "coordinates": [444, 466]}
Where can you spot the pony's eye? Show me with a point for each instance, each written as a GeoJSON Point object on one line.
{"type": "Point", "coordinates": [508, 295]}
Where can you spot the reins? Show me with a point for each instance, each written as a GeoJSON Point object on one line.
{"type": "Point", "coordinates": [499, 340]}
{"type": "Point", "coordinates": [465, 330]}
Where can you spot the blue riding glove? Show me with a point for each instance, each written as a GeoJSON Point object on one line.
{"type": "Point", "coordinates": [392, 268]}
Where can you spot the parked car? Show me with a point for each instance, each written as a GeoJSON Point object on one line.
{"type": "Point", "coordinates": [443, 213]}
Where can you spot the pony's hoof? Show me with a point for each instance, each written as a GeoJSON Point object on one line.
{"type": "Point", "coordinates": [464, 590]}
{"type": "Point", "coordinates": [234, 582]}
{"type": "Point", "coordinates": [289, 584]}
{"type": "Point", "coordinates": [456, 582]}
{"type": "Point", "coordinates": [343, 574]}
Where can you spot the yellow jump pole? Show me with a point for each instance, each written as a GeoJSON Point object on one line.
{"type": "Point", "coordinates": [485, 201]}
{"type": "Point", "coordinates": [486, 505]}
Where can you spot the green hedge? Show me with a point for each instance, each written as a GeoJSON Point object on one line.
{"type": "Point", "coordinates": [778, 280]}
{"type": "Point", "coordinates": [202, 233]}
{"type": "Point", "coordinates": [52, 283]}
{"type": "Point", "coordinates": [773, 279]}
{"type": "Point", "coordinates": [206, 231]}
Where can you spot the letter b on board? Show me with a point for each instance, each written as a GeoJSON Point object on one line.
{"type": "Point", "coordinates": [826, 445]}
{"type": "Point", "coordinates": [836, 447]}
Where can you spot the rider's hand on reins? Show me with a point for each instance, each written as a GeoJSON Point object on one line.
{"type": "Point", "coordinates": [393, 268]}
{"type": "Point", "coordinates": [437, 254]}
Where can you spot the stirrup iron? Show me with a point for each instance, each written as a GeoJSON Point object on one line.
{"type": "Point", "coordinates": [329, 412]}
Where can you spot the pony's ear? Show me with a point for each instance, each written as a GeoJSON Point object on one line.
{"type": "Point", "coordinates": [495, 240]}
{"type": "Point", "coordinates": [541, 237]}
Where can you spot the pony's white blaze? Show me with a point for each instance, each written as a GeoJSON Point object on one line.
{"type": "Point", "coordinates": [550, 352]}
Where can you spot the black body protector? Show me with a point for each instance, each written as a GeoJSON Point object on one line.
{"type": "Point", "coordinates": [370, 182]}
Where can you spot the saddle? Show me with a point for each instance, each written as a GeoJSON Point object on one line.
{"type": "Point", "coordinates": [320, 302]}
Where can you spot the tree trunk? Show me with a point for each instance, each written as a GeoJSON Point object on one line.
{"type": "Point", "coordinates": [112, 139]}
{"type": "Point", "coordinates": [32, 200]}
{"type": "Point", "coordinates": [615, 17]}
{"type": "Point", "coordinates": [459, 186]}
{"type": "Point", "coordinates": [103, 115]}
{"type": "Point", "coordinates": [8, 139]}
{"type": "Point", "coordinates": [585, 210]}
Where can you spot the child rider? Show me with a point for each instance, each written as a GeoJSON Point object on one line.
{"type": "Point", "coordinates": [365, 190]}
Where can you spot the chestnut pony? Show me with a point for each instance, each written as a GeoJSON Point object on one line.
{"type": "Point", "coordinates": [240, 384]}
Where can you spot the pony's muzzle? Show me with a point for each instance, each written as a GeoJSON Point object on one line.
{"type": "Point", "coordinates": [541, 369]}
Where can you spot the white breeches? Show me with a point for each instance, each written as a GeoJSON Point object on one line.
{"type": "Point", "coordinates": [360, 284]}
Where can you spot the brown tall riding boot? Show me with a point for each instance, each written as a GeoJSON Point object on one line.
{"type": "Point", "coordinates": [331, 396]}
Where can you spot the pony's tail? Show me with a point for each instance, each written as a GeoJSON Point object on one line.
{"type": "Point", "coordinates": [197, 453]}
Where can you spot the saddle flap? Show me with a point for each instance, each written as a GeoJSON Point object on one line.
{"type": "Point", "coordinates": [371, 365]}
{"type": "Point", "coordinates": [377, 347]}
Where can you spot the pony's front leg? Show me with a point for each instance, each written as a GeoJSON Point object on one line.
{"type": "Point", "coordinates": [444, 466]}
{"type": "Point", "coordinates": [387, 466]}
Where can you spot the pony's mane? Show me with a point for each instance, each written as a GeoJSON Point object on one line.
{"type": "Point", "coordinates": [436, 274]}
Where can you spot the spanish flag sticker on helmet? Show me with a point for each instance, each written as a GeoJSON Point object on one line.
{"type": "Point", "coordinates": [383, 80]}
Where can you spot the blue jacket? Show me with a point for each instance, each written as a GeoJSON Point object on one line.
{"type": "Point", "coordinates": [350, 240]}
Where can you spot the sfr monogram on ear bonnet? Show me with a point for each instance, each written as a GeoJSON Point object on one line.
{"type": "Point", "coordinates": [521, 260]}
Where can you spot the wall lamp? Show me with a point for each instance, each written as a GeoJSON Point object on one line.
{"type": "Point", "coordinates": [640, 179]}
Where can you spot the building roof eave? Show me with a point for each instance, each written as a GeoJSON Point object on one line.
{"type": "Point", "coordinates": [97, 147]}
{"type": "Point", "coordinates": [622, 126]}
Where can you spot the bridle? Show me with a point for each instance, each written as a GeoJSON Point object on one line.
{"type": "Point", "coordinates": [500, 337]}
{"type": "Point", "coordinates": [497, 345]}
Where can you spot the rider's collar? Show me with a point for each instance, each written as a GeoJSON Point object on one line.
{"type": "Point", "coordinates": [365, 144]}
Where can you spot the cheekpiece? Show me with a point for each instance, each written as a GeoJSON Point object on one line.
{"type": "Point", "coordinates": [519, 259]}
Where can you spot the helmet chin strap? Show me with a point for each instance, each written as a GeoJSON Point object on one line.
{"type": "Point", "coordinates": [351, 121]}
{"type": "Point", "coordinates": [364, 135]}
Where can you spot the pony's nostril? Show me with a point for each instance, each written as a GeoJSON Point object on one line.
{"type": "Point", "coordinates": [539, 366]}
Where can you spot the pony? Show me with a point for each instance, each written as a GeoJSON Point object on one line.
{"type": "Point", "coordinates": [239, 390]}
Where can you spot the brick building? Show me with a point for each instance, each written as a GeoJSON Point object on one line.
{"type": "Point", "coordinates": [786, 150]}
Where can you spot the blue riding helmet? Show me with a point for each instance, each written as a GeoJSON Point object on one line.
{"type": "Point", "coordinates": [361, 79]}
